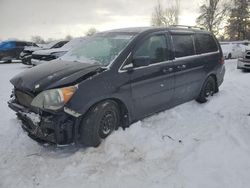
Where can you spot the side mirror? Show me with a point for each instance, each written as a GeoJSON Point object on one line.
{"type": "Point", "coordinates": [141, 61]}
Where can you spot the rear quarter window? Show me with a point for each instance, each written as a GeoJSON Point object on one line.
{"type": "Point", "coordinates": [183, 45]}
{"type": "Point", "coordinates": [205, 43]}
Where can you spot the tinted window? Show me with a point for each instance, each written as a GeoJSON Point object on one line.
{"type": "Point", "coordinates": [20, 44]}
{"type": "Point", "coordinates": [154, 47]}
{"type": "Point", "coordinates": [29, 44]}
{"type": "Point", "coordinates": [205, 43]}
{"type": "Point", "coordinates": [183, 45]}
{"type": "Point", "coordinates": [59, 44]}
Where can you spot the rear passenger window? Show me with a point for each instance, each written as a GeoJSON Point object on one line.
{"type": "Point", "coordinates": [183, 45]}
{"type": "Point", "coordinates": [205, 43]}
{"type": "Point", "coordinates": [154, 47]}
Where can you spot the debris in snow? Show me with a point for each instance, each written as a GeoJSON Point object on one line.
{"type": "Point", "coordinates": [36, 154]}
{"type": "Point", "coordinates": [164, 136]}
{"type": "Point", "coordinates": [196, 139]}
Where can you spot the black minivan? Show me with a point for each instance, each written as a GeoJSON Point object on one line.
{"type": "Point", "coordinates": [115, 78]}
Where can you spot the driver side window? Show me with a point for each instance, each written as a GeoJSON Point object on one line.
{"type": "Point", "coordinates": [153, 48]}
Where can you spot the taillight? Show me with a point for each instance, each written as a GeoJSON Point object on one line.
{"type": "Point", "coordinates": [221, 61]}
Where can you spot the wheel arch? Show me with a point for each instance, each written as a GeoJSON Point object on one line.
{"type": "Point", "coordinates": [123, 110]}
{"type": "Point", "coordinates": [215, 79]}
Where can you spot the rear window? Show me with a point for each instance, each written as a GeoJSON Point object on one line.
{"type": "Point", "coordinates": [183, 45]}
{"type": "Point", "coordinates": [205, 43]}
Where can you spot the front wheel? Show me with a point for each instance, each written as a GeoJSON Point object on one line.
{"type": "Point", "coordinates": [101, 120]}
{"type": "Point", "coordinates": [208, 90]}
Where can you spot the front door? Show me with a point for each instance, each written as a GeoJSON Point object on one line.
{"type": "Point", "coordinates": [152, 86]}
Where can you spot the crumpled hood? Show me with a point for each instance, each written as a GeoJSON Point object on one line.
{"type": "Point", "coordinates": [52, 75]}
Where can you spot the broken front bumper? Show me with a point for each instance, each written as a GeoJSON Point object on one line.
{"type": "Point", "coordinates": [52, 128]}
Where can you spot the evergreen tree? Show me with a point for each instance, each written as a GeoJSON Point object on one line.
{"type": "Point", "coordinates": [238, 27]}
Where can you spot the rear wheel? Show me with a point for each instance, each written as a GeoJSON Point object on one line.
{"type": "Point", "coordinates": [229, 56]}
{"type": "Point", "coordinates": [208, 90]}
{"type": "Point", "coordinates": [99, 122]}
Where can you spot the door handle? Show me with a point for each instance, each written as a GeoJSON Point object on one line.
{"type": "Point", "coordinates": [167, 70]}
{"type": "Point", "coordinates": [181, 66]}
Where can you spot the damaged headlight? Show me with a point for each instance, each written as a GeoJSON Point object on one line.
{"type": "Point", "coordinates": [54, 99]}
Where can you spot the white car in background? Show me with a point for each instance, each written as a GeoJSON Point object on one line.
{"type": "Point", "coordinates": [244, 62]}
{"type": "Point", "coordinates": [232, 51]}
{"type": "Point", "coordinates": [42, 56]}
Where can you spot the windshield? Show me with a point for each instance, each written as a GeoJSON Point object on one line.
{"type": "Point", "coordinates": [100, 48]}
{"type": "Point", "coordinates": [73, 43]}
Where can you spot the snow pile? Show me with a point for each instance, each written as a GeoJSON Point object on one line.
{"type": "Point", "coordinates": [192, 145]}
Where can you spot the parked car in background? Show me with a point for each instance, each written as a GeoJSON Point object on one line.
{"type": "Point", "coordinates": [26, 54]}
{"type": "Point", "coordinates": [244, 62]}
{"type": "Point", "coordinates": [42, 56]}
{"type": "Point", "coordinates": [10, 50]}
{"type": "Point", "coordinates": [232, 51]}
{"type": "Point", "coordinates": [115, 78]}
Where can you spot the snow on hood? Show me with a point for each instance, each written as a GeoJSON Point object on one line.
{"type": "Point", "coordinates": [49, 51]}
{"type": "Point", "coordinates": [68, 46]}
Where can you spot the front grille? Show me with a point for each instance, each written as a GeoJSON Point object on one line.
{"type": "Point", "coordinates": [23, 98]}
{"type": "Point", "coordinates": [247, 55]}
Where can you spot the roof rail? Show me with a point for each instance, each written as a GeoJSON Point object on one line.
{"type": "Point", "coordinates": [187, 26]}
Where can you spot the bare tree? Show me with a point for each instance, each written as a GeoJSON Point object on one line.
{"type": "Point", "coordinates": [68, 37]}
{"type": "Point", "coordinates": [212, 15]}
{"type": "Point", "coordinates": [50, 40]}
{"type": "Point", "coordinates": [91, 31]}
{"type": "Point", "coordinates": [37, 39]}
{"type": "Point", "coordinates": [166, 16]}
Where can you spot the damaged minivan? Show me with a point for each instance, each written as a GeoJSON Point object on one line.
{"type": "Point", "coordinates": [113, 79]}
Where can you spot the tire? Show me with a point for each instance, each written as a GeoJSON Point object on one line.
{"type": "Point", "coordinates": [208, 89]}
{"type": "Point", "coordinates": [99, 122]}
{"type": "Point", "coordinates": [229, 56]}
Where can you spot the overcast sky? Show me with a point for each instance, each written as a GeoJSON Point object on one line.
{"type": "Point", "coordinates": [57, 18]}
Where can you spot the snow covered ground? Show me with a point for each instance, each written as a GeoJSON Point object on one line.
{"type": "Point", "coordinates": [190, 146]}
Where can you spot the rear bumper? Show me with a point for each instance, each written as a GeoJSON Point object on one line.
{"type": "Point", "coordinates": [53, 128]}
{"type": "Point", "coordinates": [220, 75]}
{"type": "Point", "coordinates": [242, 64]}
